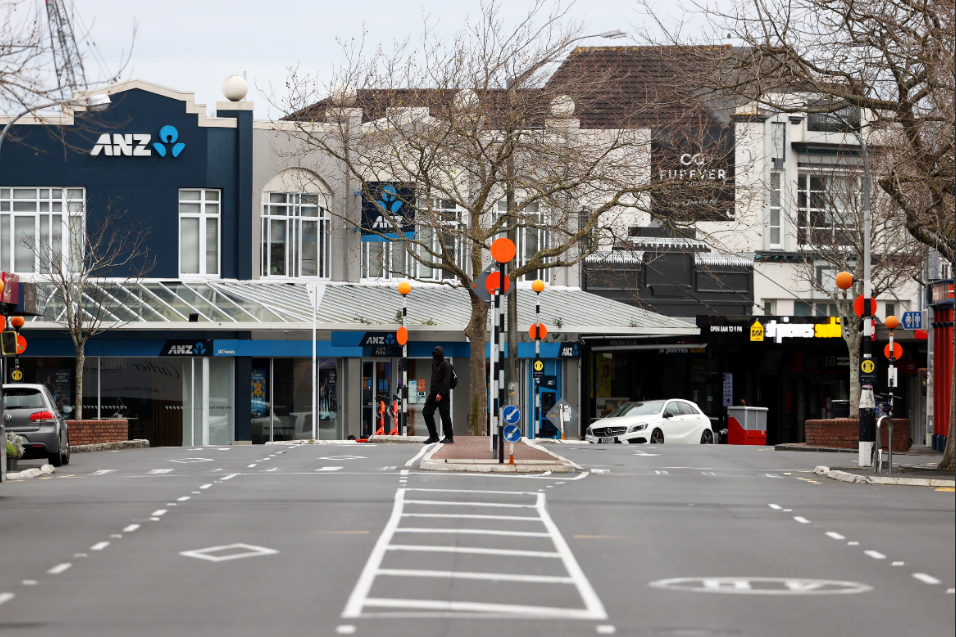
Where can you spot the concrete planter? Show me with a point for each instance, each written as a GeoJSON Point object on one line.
{"type": "Point", "coordinates": [844, 433]}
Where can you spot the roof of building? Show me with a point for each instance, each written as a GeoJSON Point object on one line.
{"type": "Point", "coordinates": [247, 305]}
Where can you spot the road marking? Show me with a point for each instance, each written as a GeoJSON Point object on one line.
{"type": "Point", "coordinates": [329, 468]}
{"type": "Point", "coordinates": [775, 507]}
{"type": "Point", "coordinates": [102, 472]}
{"type": "Point", "coordinates": [131, 528]}
{"type": "Point", "coordinates": [343, 532]}
{"type": "Point", "coordinates": [191, 460]}
{"type": "Point", "coordinates": [116, 535]}
{"type": "Point", "coordinates": [761, 585]}
{"type": "Point", "coordinates": [801, 520]}
{"type": "Point", "coordinates": [404, 472]}
{"type": "Point", "coordinates": [425, 449]}
{"type": "Point", "coordinates": [600, 470]}
{"type": "Point", "coordinates": [644, 453]}
{"type": "Point", "coordinates": [59, 568]}
{"type": "Point", "coordinates": [787, 510]}
{"type": "Point", "coordinates": [490, 577]}
{"type": "Point", "coordinates": [606, 630]}
{"type": "Point", "coordinates": [475, 532]}
{"type": "Point", "coordinates": [876, 555]}
{"type": "Point", "coordinates": [158, 471]}
{"type": "Point", "coordinates": [252, 466]}
{"type": "Point", "coordinates": [835, 536]}
{"type": "Point", "coordinates": [272, 469]}
{"type": "Point", "coordinates": [248, 550]}
{"type": "Point", "coordinates": [342, 458]}
{"type": "Point", "coordinates": [389, 468]}
{"type": "Point", "coordinates": [947, 489]}
{"type": "Point", "coordinates": [476, 504]}
{"type": "Point", "coordinates": [184, 498]}
{"type": "Point", "coordinates": [29, 582]}
{"type": "Point", "coordinates": [159, 512]}
{"type": "Point", "coordinates": [79, 555]}
{"type": "Point", "coordinates": [228, 477]}
{"type": "Point", "coordinates": [708, 473]}
{"type": "Point", "coordinates": [470, 516]}
{"type": "Point", "coordinates": [99, 546]}
{"type": "Point", "coordinates": [661, 473]}
{"type": "Point", "coordinates": [471, 551]}
{"type": "Point", "coordinates": [345, 629]}
{"type": "Point", "coordinates": [6, 597]}
{"type": "Point", "coordinates": [852, 543]}
{"type": "Point", "coordinates": [950, 591]}
{"type": "Point", "coordinates": [599, 537]}
{"type": "Point", "coordinates": [926, 579]}
{"type": "Point", "coordinates": [205, 486]}
{"type": "Point", "coordinates": [898, 564]}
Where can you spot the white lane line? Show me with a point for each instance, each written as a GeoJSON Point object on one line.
{"type": "Point", "coordinates": [252, 466]}
{"type": "Point", "coordinates": [102, 472]}
{"type": "Point", "coordinates": [898, 564]}
{"type": "Point", "coordinates": [475, 491]}
{"type": "Point", "coordinates": [471, 551]}
{"type": "Point", "coordinates": [130, 528]}
{"type": "Point", "coordinates": [158, 512]}
{"type": "Point", "coordinates": [852, 543]}
{"type": "Point", "coordinates": [775, 507]}
{"type": "Point", "coordinates": [491, 577]}
{"type": "Point", "coordinates": [801, 520]}
{"type": "Point", "coordinates": [205, 486]}
{"type": "Point", "coordinates": [471, 504]}
{"type": "Point", "coordinates": [950, 591]}
{"type": "Point", "coordinates": [184, 498]}
{"type": "Point", "coordinates": [787, 510]}
{"type": "Point", "coordinates": [329, 468]}
{"type": "Point", "coordinates": [6, 597]}
{"type": "Point", "coordinates": [835, 535]}
{"type": "Point", "coordinates": [876, 555]}
{"type": "Point", "coordinates": [99, 546]}
{"type": "Point", "coordinates": [344, 629]}
{"type": "Point", "coordinates": [116, 535]}
{"type": "Point", "coordinates": [513, 610]}
{"type": "Point", "coordinates": [606, 630]}
{"type": "Point", "coordinates": [471, 516]}
{"type": "Point", "coordinates": [158, 471]}
{"type": "Point", "coordinates": [29, 582]}
{"type": "Point", "coordinates": [59, 568]}
{"type": "Point", "coordinates": [404, 472]}
{"type": "Point", "coordinates": [475, 532]}
{"type": "Point", "coordinates": [926, 579]}
{"type": "Point", "coordinates": [272, 469]}
{"type": "Point", "coordinates": [425, 449]}
{"type": "Point", "coordinates": [228, 477]}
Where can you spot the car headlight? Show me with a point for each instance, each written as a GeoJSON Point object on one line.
{"type": "Point", "coordinates": [634, 428]}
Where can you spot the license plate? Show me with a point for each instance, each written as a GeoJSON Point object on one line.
{"type": "Point", "coordinates": [607, 441]}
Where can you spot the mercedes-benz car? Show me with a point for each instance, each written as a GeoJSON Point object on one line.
{"type": "Point", "coordinates": [31, 412]}
{"type": "Point", "coordinates": [655, 422]}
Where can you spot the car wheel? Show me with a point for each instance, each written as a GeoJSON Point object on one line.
{"type": "Point", "coordinates": [657, 437]}
{"type": "Point", "coordinates": [66, 456]}
{"type": "Point", "coordinates": [56, 459]}
{"type": "Point", "coordinates": [707, 438]}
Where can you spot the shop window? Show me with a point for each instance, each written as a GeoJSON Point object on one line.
{"type": "Point", "coordinates": [199, 213]}
{"type": "Point", "coordinates": [39, 227]}
{"type": "Point", "coordinates": [394, 259]}
{"type": "Point", "coordinates": [776, 211]}
{"type": "Point", "coordinates": [295, 235]}
{"type": "Point", "coordinates": [768, 308]}
{"type": "Point", "coordinates": [825, 209]}
{"type": "Point", "coordinates": [281, 406]}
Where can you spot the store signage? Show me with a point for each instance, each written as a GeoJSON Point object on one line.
{"type": "Point", "coordinates": [756, 331]}
{"type": "Point", "coordinates": [188, 348]}
{"type": "Point", "coordinates": [549, 382]}
{"type": "Point", "coordinates": [371, 339]}
{"type": "Point", "coordinates": [386, 209]}
{"type": "Point", "coordinates": [677, 350]}
{"type": "Point", "coordinates": [775, 328]}
{"type": "Point", "coordinates": [570, 350]}
{"type": "Point", "coordinates": [384, 351]}
{"type": "Point", "coordinates": [138, 144]}
{"type": "Point", "coordinates": [695, 172]}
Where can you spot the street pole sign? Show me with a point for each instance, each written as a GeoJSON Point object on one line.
{"type": "Point", "coordinates": [511, 433]}
{"type": "Point", "coordinates": [562, 414]}
{"type": "Point", "coordinates": [511, 415]}
{"type": "Point", "coordinates": [912, 320]}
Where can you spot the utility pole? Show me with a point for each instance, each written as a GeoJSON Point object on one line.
{"type": "Point", "coordinates": [867, 402]}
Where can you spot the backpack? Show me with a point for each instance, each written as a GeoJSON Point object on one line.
{"type": "Point", "coordinates": [453, 382]}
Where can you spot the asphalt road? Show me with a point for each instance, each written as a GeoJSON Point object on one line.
{"type": "Point", "coordinates": [686, 541]}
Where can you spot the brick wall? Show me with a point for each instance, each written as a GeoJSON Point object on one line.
{"type": "Point", "coordinates": [90, 432]}
{"type": "Point", "coordinates": [844, 433]}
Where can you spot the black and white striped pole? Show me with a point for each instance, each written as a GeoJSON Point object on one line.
{"type": "Point", "coordinates": [538, 366]}
{"type": "Point", "coordinates": [502, 251]}
{"type": "Point", "coordinates": [404, 288]}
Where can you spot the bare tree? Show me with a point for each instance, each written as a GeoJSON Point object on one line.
{"type": "Point", "coordinates": [479, 138]}
{"type": "Point", "coordinates": [85, 271]}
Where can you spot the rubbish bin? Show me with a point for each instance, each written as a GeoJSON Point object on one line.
{"type": "Point", "coordinates": [747, 425]}
{"type": "Point", "coordinates": [840, 408]}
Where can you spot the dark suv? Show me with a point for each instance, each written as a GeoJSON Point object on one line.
{"type": "Point", "coordinates": [30, 412]}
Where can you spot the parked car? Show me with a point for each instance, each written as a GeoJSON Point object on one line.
{"type": "Point", "coordinates": [30, 412]}
{"type": "Point", "coordinates": [654, 421]}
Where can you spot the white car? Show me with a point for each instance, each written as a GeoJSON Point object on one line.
{"type": "Point", "coordinates": [654, 421]}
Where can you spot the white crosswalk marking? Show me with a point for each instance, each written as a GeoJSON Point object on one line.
{"type": "Point", "coordinates": [537, 531]}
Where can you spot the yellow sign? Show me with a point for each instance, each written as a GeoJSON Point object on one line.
{"type": "Point", "coordinates": [756, 331]}
{"type": "Point", "coordinates": [17, 375]}
{"type": "Point", "coordinates": [868, 366]}
{"type": "Point", "coordinates": [831, 329]}
{"type": "Point", "coordinates": [538, 366]}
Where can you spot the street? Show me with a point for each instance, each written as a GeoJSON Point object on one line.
{"type": "Point", "coordinates": [328, 539]}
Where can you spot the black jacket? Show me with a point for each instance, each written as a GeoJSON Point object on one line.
{"type": "Point", "coordinates": [441, 373]}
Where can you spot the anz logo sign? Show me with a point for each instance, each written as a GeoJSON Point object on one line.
{"type": "Point", "coordinates": [138, 144]}
{"type": "Point", "coordinates": [187, 348]}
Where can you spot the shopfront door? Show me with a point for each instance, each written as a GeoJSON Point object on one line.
{"type": "Point", "coordinates": [380, 400]}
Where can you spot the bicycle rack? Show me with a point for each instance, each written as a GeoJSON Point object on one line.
{"type": "Point", "coordinates": [878, 447]}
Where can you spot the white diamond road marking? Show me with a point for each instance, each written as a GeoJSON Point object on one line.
{"type": "Point", "coordinates": [229, 552]}
{"type": "Point", "coordinates": [361, 605]}
{"type": "Point", "coordinates": [158, 471]}
{"type": "Point", "coordinates": [341, 458]}
{"type": "Point", "coordinates": [6, 597]}
{"type": "Point", "coordinates": [191, 460]}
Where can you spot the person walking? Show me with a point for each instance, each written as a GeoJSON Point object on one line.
{"type": "Point", "coordinates": [439, 398]}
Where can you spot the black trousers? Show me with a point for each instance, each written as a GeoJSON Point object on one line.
{"type": "Point", "coordinates": [443, 409]}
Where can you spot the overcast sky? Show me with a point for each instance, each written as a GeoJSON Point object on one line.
{"type": "Point", "coordinates": [193, 45]}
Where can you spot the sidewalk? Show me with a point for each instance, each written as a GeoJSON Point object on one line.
{"type": "Point", "coordinates": [473, 453]}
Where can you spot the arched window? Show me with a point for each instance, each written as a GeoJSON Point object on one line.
{"type": "Point", "coordinates": [296, 226]}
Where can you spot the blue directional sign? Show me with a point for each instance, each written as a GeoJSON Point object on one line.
{"type": "Point", "coordinates": [511, 414]}
{"type": "Point", "coordinates": [912, 320]}
{"type": "Point", "coordinates": [512, 433]}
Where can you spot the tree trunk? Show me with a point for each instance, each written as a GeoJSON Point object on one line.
{"type": "Point", "coordinates": [947, 463]}
{"type": "Point", "coordinates": [477, 333]}
{"type": "Point", "coordinates": [851, 335]}
{"type": "Point", "coordinates": [80, 362]}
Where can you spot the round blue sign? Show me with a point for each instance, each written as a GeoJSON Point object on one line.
{"type": "Point", "coordinates": [511, 414]}
{"type": "Point", "coordinates": [512, 433]}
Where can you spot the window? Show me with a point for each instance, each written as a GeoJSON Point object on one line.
{"type": "Point", "coordinates": [778, 139]}
{"type": "Point", "coordinates": [199, 232]}
{"type": "Point", "coordinates": [825, 206]}
{"type": "Point", "coordinates": [531, 236]}
{"type": "Point", "coordinates": [890, 309]}
{"type": "Point", "coordinates": [807, 308]}
{"type": "Point", "coordinates": [295, 235]}
{"type": "Point", "coordinates": [672, 409]}
{"type": "Point", "coordinates": [33, 220]}
{"type": "Point", "coordinates": [776, 232]}
{"type": "Point", "coordinates": [686, 409]}
{"type": "Point", "coordinates": [768, 307]}
{"type": "Point", "coordinates": [391, 259]}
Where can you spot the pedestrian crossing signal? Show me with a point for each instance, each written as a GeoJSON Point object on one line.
{"type": "Point", "coordinates": [8, 342]}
